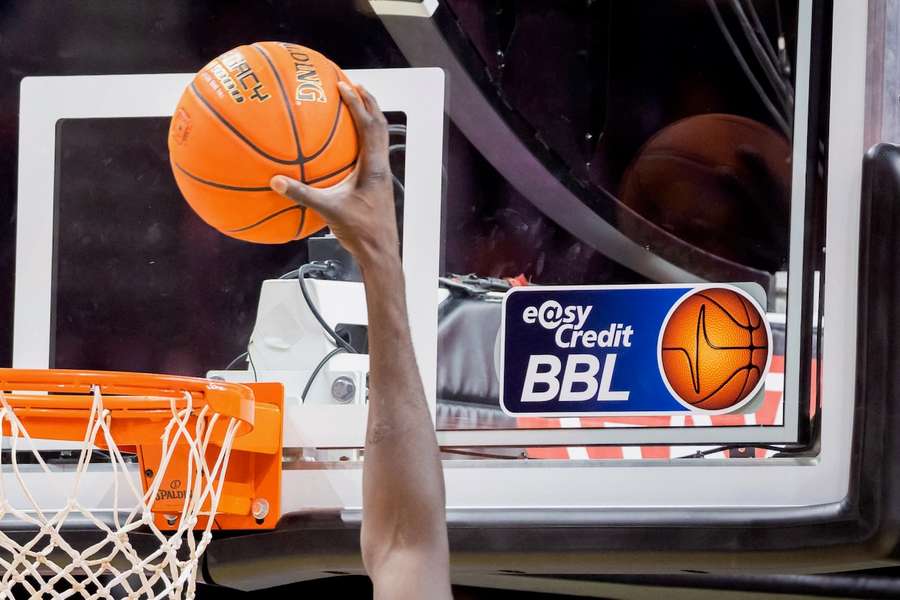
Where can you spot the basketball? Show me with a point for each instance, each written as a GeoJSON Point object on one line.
{"type": "Point", "coordinates": [714, 349]}
{"type": "Point", "coordinates": [265, 109]}
{"type": "Point", "coordinates": [709, 174]}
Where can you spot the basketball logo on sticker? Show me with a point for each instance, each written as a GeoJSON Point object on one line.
{"type": "Point", "coordinates": [715, 347]}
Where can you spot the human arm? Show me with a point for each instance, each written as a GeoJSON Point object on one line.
{"type": "Point", "coordinates": [404, 534]}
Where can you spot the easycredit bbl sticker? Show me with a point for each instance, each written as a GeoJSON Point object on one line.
{"type": "Point", "coordinates": [636, 350]}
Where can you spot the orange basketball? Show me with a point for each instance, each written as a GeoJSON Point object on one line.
{"type": "Point", "coordinates": [703, 175]}
{"type": "Point", "coordinates": [270, 108]}
{"type": "Point", "coordinates": [715, 349]}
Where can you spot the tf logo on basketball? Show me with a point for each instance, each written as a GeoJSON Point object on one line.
{"type": "Point", "coordinates": [181, 126]}
{"type": "Point", "coordinates": [714, 349]}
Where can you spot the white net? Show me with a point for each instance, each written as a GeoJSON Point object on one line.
{"type": "Point", "coordinates": [74, 551]}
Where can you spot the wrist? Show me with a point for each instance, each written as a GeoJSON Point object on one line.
{"type": "Point", "coordinates": [380, 262]}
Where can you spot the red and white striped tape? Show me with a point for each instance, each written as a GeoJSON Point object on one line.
{"type": "Point", "coordinates": [771, 412]}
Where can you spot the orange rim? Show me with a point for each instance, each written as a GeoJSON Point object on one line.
{"type": "Point", "coordinates": [63, 393]}
{"type": "Point", "coordinates": [137, 408]}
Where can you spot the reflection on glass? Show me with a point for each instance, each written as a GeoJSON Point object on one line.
{"type": "Point", "coordinates": [680, 124]}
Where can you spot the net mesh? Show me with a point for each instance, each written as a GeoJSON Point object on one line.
{"type": "Point", "coordinates": [38, 554]}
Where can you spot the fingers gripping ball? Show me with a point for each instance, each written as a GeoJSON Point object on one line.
{"type": "Point", "coordinates": [265, 109]}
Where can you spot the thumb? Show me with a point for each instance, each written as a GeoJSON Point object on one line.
{"type": "Point", "coordinates": [299, 192]}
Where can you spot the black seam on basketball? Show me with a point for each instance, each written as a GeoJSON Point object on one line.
{"type": "Point", "coordinates": [234, 130]}
{"type": "Point", "coordinates": [334, 126]}
{"type": "Point", "coordinates": [687, 356]}
{"type": "Point", "coordinates": [728, 314]}
{"type": "Point", "coordinates": [714, 347]}
{"type": "Point", "coordinates": [332, 174]}
{"type": "Point", "coordinates": [264, 219]}
{"type": "Point", "coordinates": [287, 106]}
{"type": "Point", "coordinates": [694, 363]}
{"type": "Point", "coordinates": [701, 320]}
{"type": "Point", "coordinates": [690, 363]}
{"type": "Point", "coordinates": [747, 312]}
{"type": "Point", "coordinates": [750, 317]}
{"type": "Point", "coordinates": [748, 368]}
{"type": "Point", "coordinates": [727, 380]}
{"type": "Point", "coordinates": [223, 186]}
{"type": "Point", "coordinates": [701, 324]}
{"type": "Point", "coordinates": [750, 340]}
{"type": "Point", "coordinates": [746, 378]}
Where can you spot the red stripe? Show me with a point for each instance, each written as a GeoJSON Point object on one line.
{"type": "Point", "coordinates": [766, 415]}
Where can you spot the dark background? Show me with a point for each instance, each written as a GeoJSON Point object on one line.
{"type": "Point", "coordinates": [141, 283]}
{"type": "Point", "coordinates": [617, 70]}
{"type": "Point", "coordinates": [94, 37]}
{"type": "Point", "coordinates": [361, 587]}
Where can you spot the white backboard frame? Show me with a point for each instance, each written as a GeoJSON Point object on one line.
{"type": "Point", "coordinates": [510, 485]}
{"type": "Point", "coordinates": [688, 484]}
{"type": "Point", "coordinates": [419, 93]}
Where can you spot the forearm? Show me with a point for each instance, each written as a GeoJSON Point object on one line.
{"type": "Point", "coordinates": [404, 534]}
{"type": "Point", "coordinates": [403, 487]}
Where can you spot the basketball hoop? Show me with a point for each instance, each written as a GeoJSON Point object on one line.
{"type": "Point", "coordinates": [209, 458]}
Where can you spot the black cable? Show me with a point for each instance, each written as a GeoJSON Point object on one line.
{"type": "Point", "coordinates": [398, 184]}
{"type": "Point", "coordinates": [399, 188]}
{"type": "Point", "coordinates": [329, 331]}
{"type": "Point", "coordinates": [252, 367]}
{"type": "Point", "coordinates": [480, 454]}
{"type": "Point", "coordinates": [761, 31]}
{"type": "Point", "coordinates": [723, 448]}
{"type": "Point", "coordinates": [782, 50]}
{"type": "Point", "coordinates": [782, 90]}
{"type": "Point", "coordinates": [236, 359]}
{"type": "Point", "coordinates": [318, 368]}
{"type": "Point", "coordinates": [398, 148]}
{"type": "Point", "coordinates": [764, 98]}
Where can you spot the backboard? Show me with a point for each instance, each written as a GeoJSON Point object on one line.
{"type": "Point", "coordinates": [61, 323]}
{"type": "Point", "coordinates": [636, 488]}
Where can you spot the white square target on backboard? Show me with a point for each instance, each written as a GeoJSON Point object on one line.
{"type": "Point", "coordinates": [51, 106]}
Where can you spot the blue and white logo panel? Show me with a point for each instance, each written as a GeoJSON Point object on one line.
{"type": "Point", "coordinates": [634, 350]}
